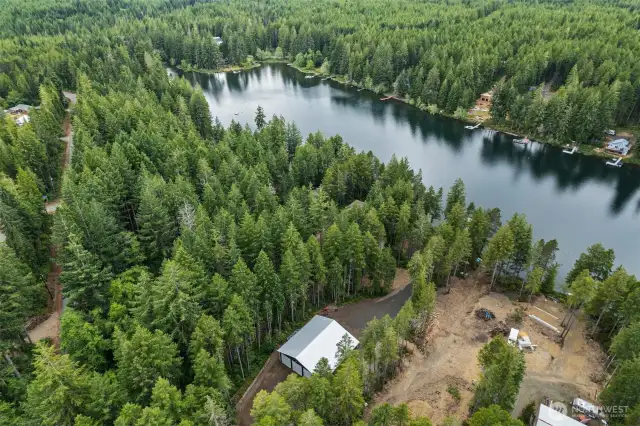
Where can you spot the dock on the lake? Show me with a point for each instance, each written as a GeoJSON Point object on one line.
{"type": "Point", "coordinates": [388, 97]}
{"type": "Point", "coordinates": [617, 163]}
{"type": "Point", "coordinates": [571, 151]}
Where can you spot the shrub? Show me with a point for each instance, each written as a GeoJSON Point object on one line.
{"type": "Point", "coordinates": [516, 316]}
{"type": "Point", "coordinates": [528, 411]}
{"type": "Point", "coordinates": [454, 392]}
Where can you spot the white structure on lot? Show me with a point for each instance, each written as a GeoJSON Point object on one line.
{"type": "Point", "coordinates": [585, 407]}
{"type": "Point", "coordinates": [549, 417]}
{"type": "Point", "coordinates": [317, 339]}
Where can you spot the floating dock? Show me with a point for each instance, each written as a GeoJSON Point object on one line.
{"type": "Point", "coordinates": [523, 141]}
{"type": "Point", "coordinates": [473, 127]}
{"type": "Point", "coordinates": [309, 76]}
{"type": "Point", "coordinates": [617, 163]}
{"type": "Point", "coordinates": [572, 151]}
{"type": "Point", "coordinates": [387, 98]}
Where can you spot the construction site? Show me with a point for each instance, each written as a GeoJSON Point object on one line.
{"type": "Point", "coordinates": [438, 380]}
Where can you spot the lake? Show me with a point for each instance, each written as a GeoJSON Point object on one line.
{"type": "Point", "coordinates": [575, 199]}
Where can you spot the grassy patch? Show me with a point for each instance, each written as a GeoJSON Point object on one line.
{"type": "Point", "coordinates": [454, 392]}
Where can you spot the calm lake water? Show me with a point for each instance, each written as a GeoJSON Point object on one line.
{"type": "Point", "coordinates": [575, 199]}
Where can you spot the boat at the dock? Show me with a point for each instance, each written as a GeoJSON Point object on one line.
{"type": "Point", "coordinates": [522, 141]}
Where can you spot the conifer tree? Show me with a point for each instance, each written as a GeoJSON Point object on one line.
{"type": "Point", "coordinates": [290, 279]}
{"type": "Point", "coordinates": [20, 293]}
{"type": "Point", "coordinates": [200, 114]}
{"type": "Point", "coordinates": [260, 118]}
{"type": "Point", "coordinates": [143, 358]}
{"type": "Point", "coordinates": [237, 326]}
{"type": "Point", "coordinates": [59, 390]}
{"type": "Point", "coordinates": [157, 228]}
{"type": "Point", "coordinates": [499, 250]}
{"type": "Point", "coordinates": [85, 281]}
{"type": "Point", "coordinates": [82, 340]}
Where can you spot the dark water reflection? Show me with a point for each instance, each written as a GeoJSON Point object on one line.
{"type": "Point", "coordinates": [577, 200]}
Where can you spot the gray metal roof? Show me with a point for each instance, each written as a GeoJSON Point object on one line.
{"type": "Point", "coordinates": [318, 339]}
{"type": "Point", "coordinates": [619, 142]}
{"type": "Point", "coordinates": [299, 341]}
{"type": "Point", "coordinates": [20, 107]}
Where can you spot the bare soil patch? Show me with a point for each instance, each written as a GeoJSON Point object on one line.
{"type": "Point", "coordinates": [271, 374]}
{"type": "Point", "coordinates": [46, 329]}
{"type": "Point", "coordinates": [456, 336]}
{"type": "Point", "coordinates": [401, 280]}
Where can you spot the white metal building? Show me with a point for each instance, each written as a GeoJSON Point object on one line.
{"type": "Point", "coordinates": [317, 339]}
{"type": "Point", "coordinates": [549, 417]}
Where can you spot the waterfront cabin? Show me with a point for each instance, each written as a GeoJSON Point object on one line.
{"type": "Point", "coordinates": [619, 146]}
{"type": "Point", "coordinates": [317, 339]}
{"type": "Point", "coordinates": [486, 97]}
{"type": "Point", "coordinates": [19, 114]}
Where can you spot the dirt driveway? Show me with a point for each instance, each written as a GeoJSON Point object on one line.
{"type": "Point", "coordinates": [354, 317]}
{"type": "Point", "coordinates": [450, 358]}
{"type": "Point", "coordinates": [271, 374]}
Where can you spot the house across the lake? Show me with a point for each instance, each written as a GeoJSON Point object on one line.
{"type": "Point", "coordinates": [19, 109]}
{"type": "Point", "coordinates": [619, 146]}
{"type": "Point", "coordinates": [317, 339]}
{"type": "Point", "coordinates": [19, 113]}
{"type": "Point", "coordinates": [486, 97]}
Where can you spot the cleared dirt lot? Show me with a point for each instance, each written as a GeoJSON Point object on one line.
{"type": "Point", "coordinates": [450, 358]}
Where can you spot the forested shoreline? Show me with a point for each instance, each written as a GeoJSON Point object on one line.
{"type": "Point", "coordinates": [561, 72]}
{"type": "Point", "coordinates": [190, 250]}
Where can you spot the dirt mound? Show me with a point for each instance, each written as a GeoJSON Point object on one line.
{"type": "Point", "coordinates": [484, 314]}
{"type": "Point", "coordinates": [499, 328]}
